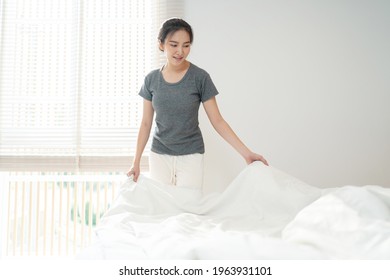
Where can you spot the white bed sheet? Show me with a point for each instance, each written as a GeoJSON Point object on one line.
{"type": "Point", "coordinates": [263, 214]}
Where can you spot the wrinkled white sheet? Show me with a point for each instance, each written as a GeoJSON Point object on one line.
{"type": "Point", "coordinates": [263, 214]}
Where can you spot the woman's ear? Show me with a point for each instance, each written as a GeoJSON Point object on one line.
{"type": "Point", "coordinates": [160, 46]}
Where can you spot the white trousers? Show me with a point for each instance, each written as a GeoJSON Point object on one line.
{"type": "Point", "coordinates": [182, 171]}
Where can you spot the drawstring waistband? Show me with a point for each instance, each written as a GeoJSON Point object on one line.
{"type": "Point", "coordinates": [173, 173]}
{"type": "Point", "coordinates": [182, 170]}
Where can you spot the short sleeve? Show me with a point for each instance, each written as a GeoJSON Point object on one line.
{"type": "Point", "coordinates": [145, 92]}
{"type": "Point", "coordinates": [208, 89]}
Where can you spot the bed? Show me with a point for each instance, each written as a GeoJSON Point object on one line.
{"type": "Point", "coordinates": [263, 214]}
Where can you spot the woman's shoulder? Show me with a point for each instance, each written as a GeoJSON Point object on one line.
{"type": "Point", "coordinates": [153, 73]}
{"type": "Point", "coordinates": [199, 72]}
{"type": "Point", "coordinates": [152, 76]}
{"type": "Point", "coordinates": [198, 69]}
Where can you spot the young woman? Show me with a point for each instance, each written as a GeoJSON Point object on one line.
{"type": "Point", "coordinates": [174, 93]}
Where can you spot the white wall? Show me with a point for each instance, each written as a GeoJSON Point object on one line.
{"type": "Point", "coordinates": [305, 83]}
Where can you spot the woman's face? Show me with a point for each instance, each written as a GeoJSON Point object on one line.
{"type": "Point", "coordinates": [176, 47]}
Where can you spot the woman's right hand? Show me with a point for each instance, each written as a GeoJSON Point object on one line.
{"type": "Point", "coordinates": [134, 171]}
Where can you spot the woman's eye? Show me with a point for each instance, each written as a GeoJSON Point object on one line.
{"type": "Point", "coordinates": [174, 46]}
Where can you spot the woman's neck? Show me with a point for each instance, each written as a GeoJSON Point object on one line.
{"type": "Point", "coordinates": [176, 69]}
{"type": "Point", "coordinates": [176, 73]}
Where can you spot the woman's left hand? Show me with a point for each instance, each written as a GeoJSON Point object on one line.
{"type": "Point", "coordinates": [251, 157]}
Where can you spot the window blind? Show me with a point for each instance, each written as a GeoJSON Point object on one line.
{"type": "Point", "coordinates": [70, 75]}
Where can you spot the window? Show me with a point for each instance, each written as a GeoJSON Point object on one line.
{"type": "Point", "coordinates": [70, 76]}
{"type": "Point", "coordinates": [70, 72]}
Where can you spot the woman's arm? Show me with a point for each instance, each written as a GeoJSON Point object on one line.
{"type": "Point", "coordinates": [143, 136]}
{"type": "Point", "coordinates": [227, 133]}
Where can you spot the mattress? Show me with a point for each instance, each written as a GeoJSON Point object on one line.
{"type": "Point", "coordinates": [263, 214]}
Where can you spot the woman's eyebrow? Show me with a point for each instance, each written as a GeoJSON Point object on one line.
{"type": "Point", "coordinates": [178, 42]}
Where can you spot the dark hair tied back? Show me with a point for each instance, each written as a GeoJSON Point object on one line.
{"type": "Point", "coordinates": [172, 25]}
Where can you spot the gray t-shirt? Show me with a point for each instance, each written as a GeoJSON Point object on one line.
{"type": "Point", "coordinates": [176, 105]}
